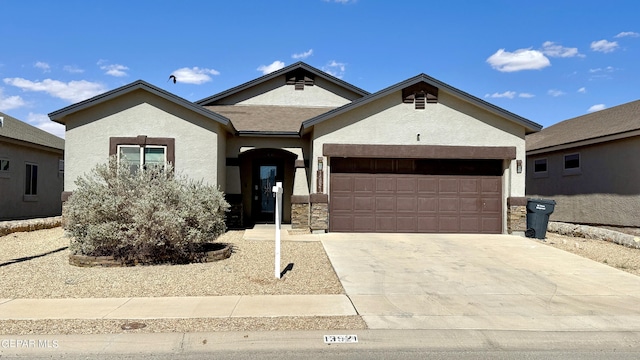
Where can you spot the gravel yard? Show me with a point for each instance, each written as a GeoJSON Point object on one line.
{"type": "Point", "coordinates": [35, 265]}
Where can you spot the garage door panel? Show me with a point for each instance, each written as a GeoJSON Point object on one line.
{"type": "Point", "coordinates": [489, 224]}
{"type": "Point", "coordinates": [448, 204]}
{"type": "Point", "coordinates": [491, 205]}
{"type": "Point", "coordinates": [385, 203]}
{"type": "Point", "coordinates": [385, 184]}
{"type": "Point", "coordinates": [406, 185]}
{"type": "Point", "coordinates": [428, 205]}
{"type": "Point", "coordinates": [427, 185]}
{"type": "Point", "coordinates": [448, 185]}
{"type": "Point", "coordinates": [491, 186]}
{"type": "Point", "coordinates": [472, 205]}
{"type": "Point", "coordinates": [470, 224]}
{"type": "Point", "coordinates": [407, 224]}
{"type": "Point", "coordinates": [448, 224]}
{"type": "Point", "coordinates": [386, 223]}
{"type": "Point", "coordinates": [469, 186]}
{"type": "Point", "coordinates": [341, 183]}
{"type": "Point", "coordinates": [364, 223]}
{"type": "Point", "coordinates": [363, 203]}
{"type": "Point", "coordinates": [406, 204]}
{"type": "Point", "coordinates": [363, 184]}
{"type": "Point", "coordinates": [342, 223]}
{"type": "Point", "coordinates": [428, 224]}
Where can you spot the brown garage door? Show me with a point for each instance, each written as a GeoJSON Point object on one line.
{"type": "Point", "coordinates": [406, 195]}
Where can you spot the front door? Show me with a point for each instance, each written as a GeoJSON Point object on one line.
{"type": "Point", "coordinates": [265, 177]}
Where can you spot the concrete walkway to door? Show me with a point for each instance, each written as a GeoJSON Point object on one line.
{"type": "Point", "coordinates": [494, 282]}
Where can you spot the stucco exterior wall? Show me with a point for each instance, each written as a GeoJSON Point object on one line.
{"type": "Point", "coordinates": [13, 203]}
{"type": "Point", "coordinates": [198, 140]}
{"type": "Point", "coordinates": [449, 122]}
{"type": "Point", "coordinates": [604, 191]}
{"type": "Point", "coordinates": [276, 92]}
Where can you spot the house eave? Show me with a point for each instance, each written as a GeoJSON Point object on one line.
{"type": "Point", "coordinates": [587, 142]}
{"type": "Point", "coordinates": [278, 134]}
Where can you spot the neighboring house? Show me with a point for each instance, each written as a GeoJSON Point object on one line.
{"type": "Point", "coordinates": [418, 156]}
{"type": "Point", "coordinates": [590, 166]}
{"type": "Point", "coordinates": [31, 171]}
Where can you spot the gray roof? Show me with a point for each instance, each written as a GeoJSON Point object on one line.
{"type": "Point", "coordinates": [617, 120]}
{"type": "Point", "coordinates": [13, 128]}
{"type": "Point", "coordinates": [267, 119]}
{"type": "Point", "coordinates": [283, 71]}
{"type": "Point", "coordinates": [59, 115]}
{"type": "Point", "coordinates": [529, 125]}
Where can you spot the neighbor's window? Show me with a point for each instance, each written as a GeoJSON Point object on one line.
{"type": "Point", "coordinates": [31, 180]}
{"type": "Point", "coordinates": [4, 165]}
{"type": "Point", "coordinates": [137, 157]}
{"type": "Point", "coordinates": [540, 166]}
{"type": "Point", "coordinates": [572, 161]}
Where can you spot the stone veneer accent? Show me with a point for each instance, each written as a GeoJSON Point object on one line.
{"type": "Point", "coordinates": [319, 212]}
{"type": "Point", "coordinates": [516, 215]}
{"type": "Point", "coordinates": [300, 212]}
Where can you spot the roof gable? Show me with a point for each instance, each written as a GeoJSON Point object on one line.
{"type": "Point", "coordinates": [595, 126]}
{"type": "Point", "coordinates": [296, 74]}
{"type": "Point", "coordinates": [59, 115]}
{"type": "Point", "coordinates": [15, 129]}
{"type": "Point", "coordinates": [429, 87]}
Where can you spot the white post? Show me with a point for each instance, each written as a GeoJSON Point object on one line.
{"type": "Point", "coordinates": [277, 192]}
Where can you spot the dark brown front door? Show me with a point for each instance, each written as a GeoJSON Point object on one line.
{"type": "Point", "coordinates": [265, 176]}
{"type": "Point", "coordinates": [425, 196]}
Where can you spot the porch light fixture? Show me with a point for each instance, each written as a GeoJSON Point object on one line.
{"type": "Point", "coordinates": [320, 163]}
{"type": "Point", "coordinates": [519, 166]}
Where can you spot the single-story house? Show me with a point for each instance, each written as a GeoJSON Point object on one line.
{"type": "Point", "coordinates": [590, 166]}
{"type": "Point", "coordinates": [418, 156]}
{"type": "Point", "coordinates": [31, 171]}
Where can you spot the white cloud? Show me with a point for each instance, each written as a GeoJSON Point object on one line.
{"type": "Point", "coordinates": [509, 95]}
{"type": "Point", "coordinates": [72, 69]}
{"type": "Point", "coordinates": [303, 55]}
{"type": "Point", "coordinates": [335, 68]}
{"type": "Point", "coordinates": [582, 90]}
{"type": "Point", "coordinates": [11, 102]}
{"type": "Point", "coordinates": [116, 70]}
{"type": "Point", "coordinates": [596, 107]}
{"type": "Point", "coordinates": [42, 66]}
{"type": "Point", "coordinates": [608, 69]}
{"type": "Point", "coordinates": [552, 49]}
{"type": "Point", "coordinates": [274, 66]}
{"type": "Point", "coordinates": [73, 91]}
{"type": "Point", "coordinates": [506, 94]}
{"type": "Point", "coordinates": [627, 34]}
{"type": "Point", "coordinates": [604, 46]}
{"type": "Point", "coordinates": [42, 121]}
{"type": "Point", "coordinates": [555, 92]}
{"type": "Point", "coordinates": [194, 75]}
{"type": "Point", "coordinates": [521, 59]}
{"type": "Point", "coordinates": [342, 1]}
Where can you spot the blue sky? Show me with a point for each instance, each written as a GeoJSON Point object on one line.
{"type": "Point", "coordinates": [547, 61]}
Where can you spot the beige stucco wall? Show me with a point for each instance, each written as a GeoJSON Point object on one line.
{"type": "Point", "coordinates": [276, 92]}
{"type": "Point", "coordinates": [606, 190]}
{"type": "Point", "coordinates": [13, 203]}
{"type": "Point", "coordinates": [449, 122]}
{"type": "Point", "coordinates": [199, 141]}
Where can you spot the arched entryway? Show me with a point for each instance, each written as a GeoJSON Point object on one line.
{"type": "Point", "coordinates": [260, 169]}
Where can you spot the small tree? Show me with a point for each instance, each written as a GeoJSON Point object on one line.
{"type": "Point", "coordinates": [150, 216]}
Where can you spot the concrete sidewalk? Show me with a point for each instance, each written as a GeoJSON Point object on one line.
{"type": "Point", "coordinates": [177, 307]}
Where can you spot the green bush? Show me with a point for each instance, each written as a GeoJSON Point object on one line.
{"type": "Point", "coordinates": [152, 216]}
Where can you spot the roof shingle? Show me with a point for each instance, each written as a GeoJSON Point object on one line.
{"type": "Point", "coordinates": [18, 130]}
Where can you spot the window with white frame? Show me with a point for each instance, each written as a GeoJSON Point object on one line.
{"type": "Point", "coordinates": [138, 157]}
{"type": "Point", "coordinates": [31, 179]}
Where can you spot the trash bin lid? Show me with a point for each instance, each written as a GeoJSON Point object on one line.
{"type": "Point", "coordinates": [543, 201]}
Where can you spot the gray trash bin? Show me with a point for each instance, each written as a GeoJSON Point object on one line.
{"type": "Point", "coordinates": [538, 211]}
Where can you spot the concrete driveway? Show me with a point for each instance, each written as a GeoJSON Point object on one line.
{"type": "Point", "coordinates": [494, 282]}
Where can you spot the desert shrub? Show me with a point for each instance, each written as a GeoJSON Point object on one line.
{"type": "Point", "coordinates": [151, 216]}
